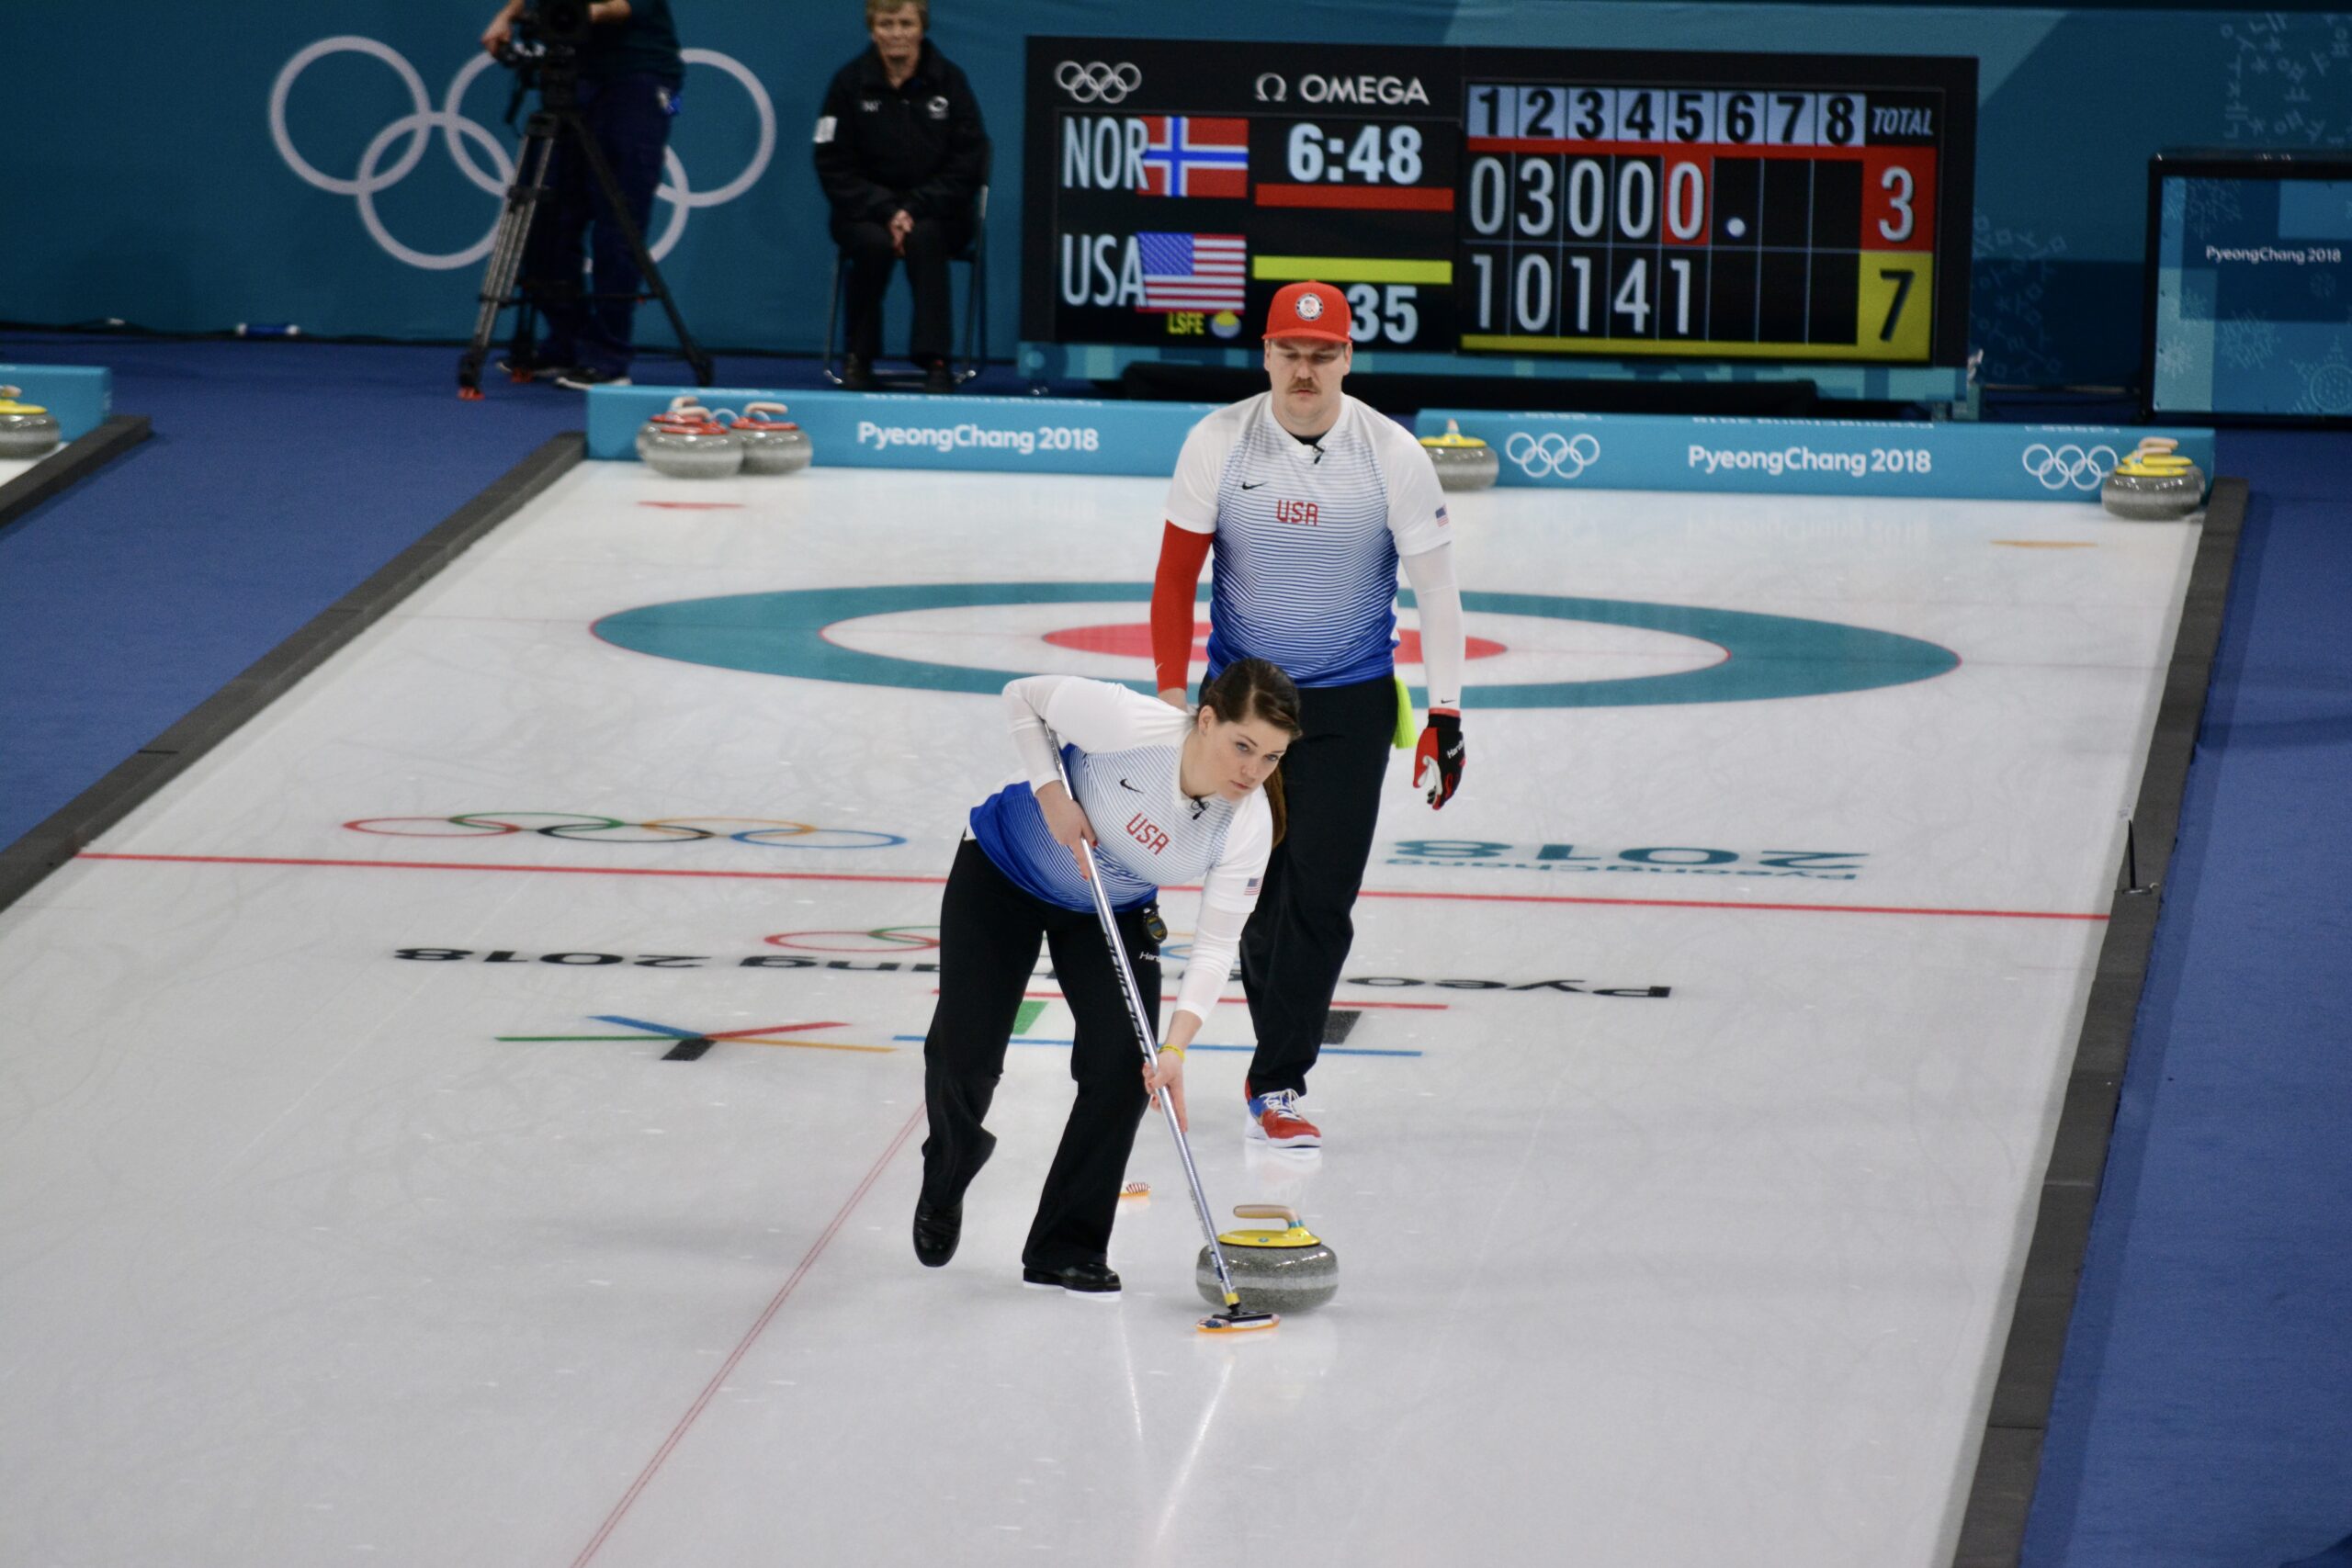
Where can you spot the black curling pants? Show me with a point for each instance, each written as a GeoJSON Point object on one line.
{"type": "Point", "coordinates": [989, 934]}
{"type": "Point", "coordinates": [930, 245]}
{"type": "Point", "coordinates": [1297, 939]}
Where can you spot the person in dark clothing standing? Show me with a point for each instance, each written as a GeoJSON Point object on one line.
{"type": "Point", "coordinates": [901, 153]}
{"type": "Point", "coordinates": [630, 73]}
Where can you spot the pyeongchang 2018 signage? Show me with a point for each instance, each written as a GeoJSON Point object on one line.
{"type": "Point", "coordinates": [868, 430]}
{"type": "Point", "coordinates": [1976, 462]}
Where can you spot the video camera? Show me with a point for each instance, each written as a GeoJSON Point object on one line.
{"type": "Point", "coordinates": [551, 26]}
{"type": "Point", "coordinates": [544, 51]}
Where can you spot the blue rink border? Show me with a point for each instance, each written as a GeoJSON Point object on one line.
{"type": "Point", "coordinates": [73, 462]}
{"type": "Point", "coordinates": [1786, 457]}
{"type": "Point", "coordinates": [910, 430]}
{"type": "Point", "coordinates": [1657, 451]}
{"type": "Point", "coordinates": [80, 396]}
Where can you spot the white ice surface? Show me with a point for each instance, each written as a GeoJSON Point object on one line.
{"type": "Point", "coordinates": [301, 1262]}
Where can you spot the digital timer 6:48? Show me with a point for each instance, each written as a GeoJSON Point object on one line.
{"type": "Point", "coordinates": [1373, 154]}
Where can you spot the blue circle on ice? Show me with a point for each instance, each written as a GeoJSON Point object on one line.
{"type": "Point", "coordinates": [1765, 656]}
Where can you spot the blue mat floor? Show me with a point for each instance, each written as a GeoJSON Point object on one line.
{"type": "Point", "coordinates": [2204, 1412]}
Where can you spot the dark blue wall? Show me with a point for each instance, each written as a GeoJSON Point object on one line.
{"type": "Point", "coordinates": [155, 191]}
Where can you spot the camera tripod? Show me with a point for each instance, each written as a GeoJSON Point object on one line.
{"type": "Point", "coordinates": [557, 116]}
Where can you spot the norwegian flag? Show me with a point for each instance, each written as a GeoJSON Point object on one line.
{"type": "Point", "coordinates": [1186, 155]}
{"type": "Point", "coordinates": [1193, 271]}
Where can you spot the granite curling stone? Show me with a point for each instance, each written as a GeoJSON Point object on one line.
{"type": "Point", "coordinates": [772, 444]}
{"type": "Point", "coordinates": [2153, 484]}
{"type": "Point", "coordinates": [1462, 462]}
{"type": "Point", "coordinates": [686, 440]}
{"type": "Point", "coordinates": [1278, 1270]}
{"type": "Point", "coordinates": [27, 430]}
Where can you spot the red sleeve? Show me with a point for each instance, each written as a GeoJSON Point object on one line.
{"type": "Point", "coordinates": [1181, 554]}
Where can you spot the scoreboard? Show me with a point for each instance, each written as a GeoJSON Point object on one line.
{"type": "Point", "coordinates": [1523, 202]}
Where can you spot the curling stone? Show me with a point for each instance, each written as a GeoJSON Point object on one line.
{"type": "Point", "coordinates": [1283, 1270]}
{"type": "Point", "coordinates": [772, 444]}
{"type": "Point", "coordinates": [1464, 462]}
{"type": "Point", "coordinates": [685, 408]}
{"type": "Point", "coordinates": [2153, 484]}
{"type": "Point", "coordinates": [27, 430]}
{"type": "Point", "coordinates": [686, 440]}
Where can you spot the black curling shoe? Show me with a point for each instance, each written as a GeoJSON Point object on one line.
{"type": "Point", "coordinates": [936, 1232]}
{"type": "Point", "coordinates": [1086, 1279]}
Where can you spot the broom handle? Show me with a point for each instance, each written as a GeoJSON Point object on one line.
{"type": "Point", "coordinates": [1142, 1024]}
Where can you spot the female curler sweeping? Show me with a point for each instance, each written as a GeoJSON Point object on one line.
{"type": "Point", "coordinates": [1183, 797]}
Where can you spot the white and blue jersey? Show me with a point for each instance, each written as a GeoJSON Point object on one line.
{"type": "Point", "coordinates": [1306, 536]}
{"type": "Point", "coordinates": [1123, 751]}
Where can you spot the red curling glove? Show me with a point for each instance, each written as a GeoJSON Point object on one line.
{"type": "Point", "coordinates": [1437, 760]}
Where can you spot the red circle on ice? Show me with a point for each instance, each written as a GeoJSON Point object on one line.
{"type": "Point", "coordinates": [1131, 639]}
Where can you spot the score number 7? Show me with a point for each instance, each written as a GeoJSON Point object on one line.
{"type": "Point", "coordinates": [1903, 277]}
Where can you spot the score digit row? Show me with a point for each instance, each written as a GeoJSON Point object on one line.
{"type": "Point", "coordinates": [1547, 116]}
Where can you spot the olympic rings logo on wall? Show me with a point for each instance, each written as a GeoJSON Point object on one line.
{"type": "Point", "coordinates": [766, 832]}
{"type": "Point", "coordinates": [1093, 82]}
{"type": "Point", "coordinates": [2057, 468]}
{"type": "Point", "coordinates": [417, 127]}
{"type": "Point", "coordinates": [1552, 453]}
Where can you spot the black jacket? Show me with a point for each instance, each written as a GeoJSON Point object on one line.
{"type": "Point", "coordinates": [920, 146]}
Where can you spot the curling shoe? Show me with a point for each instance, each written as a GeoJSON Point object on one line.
{"type": "Point", "coordinates": [1274, 1119]}
{"type": "Point", "coordinates": [936, 1232]}
{"type": "Point", "coordinates": [1088, 1279]}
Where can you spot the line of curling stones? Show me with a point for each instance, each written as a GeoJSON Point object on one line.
{"type": "Point", "coordinates": [27, 430]}
{"type": "Point", "coordinates": [688, 440]}
{"type": "Point", "coordinates": [1279, 1271]}
{"type": "Point", "coordinates": [2153, 484]}
{"type": "Point", "coordinates": [1462, 462]}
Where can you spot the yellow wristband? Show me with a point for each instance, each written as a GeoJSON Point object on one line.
{"type": "Point", "coordinates": [1177, 1049]}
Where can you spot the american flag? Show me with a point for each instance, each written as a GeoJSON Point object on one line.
{"type": "Point", "coordinates": [1189, 155]}
{"type": "Point", "coordinates": [1193, 271]}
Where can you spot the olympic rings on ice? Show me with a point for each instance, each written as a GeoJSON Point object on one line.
{"type": "Point", "coordinates": [582, 826]}
{"type": "Point", "coordinates": [876, 940]}
{"type": "Point", "coordinates": [416, 127]}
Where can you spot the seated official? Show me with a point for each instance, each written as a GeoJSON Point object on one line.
{"type": "Point", "coordinates": [901, 153]}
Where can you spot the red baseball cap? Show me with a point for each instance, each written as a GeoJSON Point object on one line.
{"type": "Point", "coordinates": [1309, 310]}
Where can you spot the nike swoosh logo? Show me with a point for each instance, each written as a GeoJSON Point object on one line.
{"type": "Point", "coordinates": [1246, 485]}
{"type": "Point", "coordinates": [1125, 785]}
